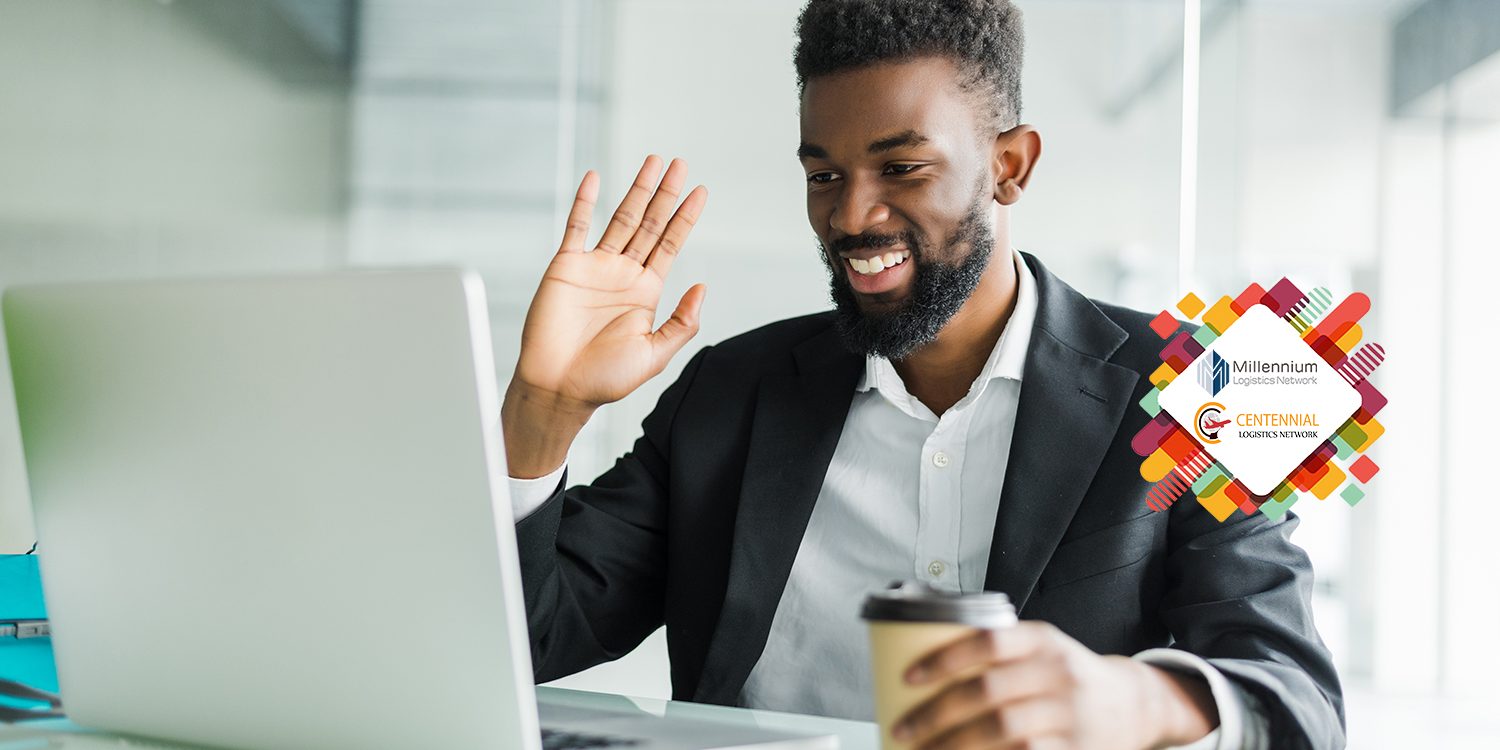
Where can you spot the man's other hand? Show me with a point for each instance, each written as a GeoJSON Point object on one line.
{"type": "Point", "coordinates": [1033, 686]}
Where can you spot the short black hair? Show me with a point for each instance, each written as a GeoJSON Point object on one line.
{"type": "Point", "coordinates": [982, 37]}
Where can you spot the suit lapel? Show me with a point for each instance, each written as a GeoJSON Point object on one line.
{"type": "Point", "coordinates": [1072, 401]}
{"type": "Point", "coordinates": [797, 424]}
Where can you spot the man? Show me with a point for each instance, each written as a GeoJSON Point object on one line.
{"type": "Point", "coordinates": [962, 417]}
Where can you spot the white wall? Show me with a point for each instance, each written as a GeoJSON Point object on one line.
{"type": "Point", "coordinates": [1472, 595]}
{"type": "Point", "coordinates": [1101, 209]}
{"type": "Point", "coordinates": [464, 122]}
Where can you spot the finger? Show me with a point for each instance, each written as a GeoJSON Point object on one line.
{"type": "Point", "coordinates": [654, 222]}
{"type": "Point", "coordinates": [577, 228]}
{"type": "Point", "coordinates": [965, 699]}
{"type": "Point", "coordinates": [1015, 724]}
{"type": "Point", "coordinates": [680, 328]}
{"type": "Point", "coordinates": [983, 646]}
{"type": "Point", "coordinates": [628, 216]}
{"type": "Point", "coordinates": [677, 231]}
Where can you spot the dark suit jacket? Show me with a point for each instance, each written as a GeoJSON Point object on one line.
{"type": "Point", "coordinates": [698, 525]}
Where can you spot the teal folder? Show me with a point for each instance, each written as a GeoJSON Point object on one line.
{"type": "Point", "coordinates": [24, 660]}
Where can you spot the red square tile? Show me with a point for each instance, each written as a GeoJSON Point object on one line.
{"type": "Point", "coordinates": [1364, 469]}
{"type": "Point", "coordinates": [1248, 298]}
{"type": "Point", "coordinates": [1164, 324]}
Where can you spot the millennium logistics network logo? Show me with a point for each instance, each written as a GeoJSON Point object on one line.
{"type": "Point", "coordinates": [1213, 373]}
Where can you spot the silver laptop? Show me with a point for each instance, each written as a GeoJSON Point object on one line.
{"type": "Point", "coordinates": [272, 513]}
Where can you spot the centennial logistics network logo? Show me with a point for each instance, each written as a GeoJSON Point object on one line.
{"type": "Point", "coordinates": [1280, 404]}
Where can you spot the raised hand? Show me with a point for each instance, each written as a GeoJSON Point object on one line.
{"type": "Point", "coordinates": [588, 338]}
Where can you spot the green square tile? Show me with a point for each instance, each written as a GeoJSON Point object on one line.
{"type": "Point", "coordinates": [1209, 482]}
{"type": "Point", "coordinates": [1352, 494]}
{"type": "Point", "coordinates": [1204, 335]}
{"type": "Point", "coordinates": [1149, 402]}
{"type": "Point", "coordinates": [1275, 509]}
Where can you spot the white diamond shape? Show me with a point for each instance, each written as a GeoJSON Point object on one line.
{"type": "Point", "coordinates": [1262, 457]}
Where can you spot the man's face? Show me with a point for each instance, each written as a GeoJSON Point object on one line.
{"type": "Point", "coordinates": [897, 171]}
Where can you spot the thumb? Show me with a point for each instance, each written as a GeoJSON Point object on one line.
{"type": "Point", "coordinates": [680, 328]}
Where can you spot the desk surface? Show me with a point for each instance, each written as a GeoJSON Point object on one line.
{"type": "Point", "coordinates": [853, 735]}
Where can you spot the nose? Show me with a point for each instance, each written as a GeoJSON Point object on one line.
{"type": "Point", "coordinates": [859, 207]}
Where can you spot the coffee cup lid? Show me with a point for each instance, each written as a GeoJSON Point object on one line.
{"type": "Point", "coordinates": [914, 601]}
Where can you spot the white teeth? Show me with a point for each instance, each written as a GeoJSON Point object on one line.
{"type": "Point", "coordinates": [879, 263]}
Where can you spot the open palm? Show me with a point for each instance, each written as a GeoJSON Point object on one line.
{"type": "Point", "coordinates": [589, 335]}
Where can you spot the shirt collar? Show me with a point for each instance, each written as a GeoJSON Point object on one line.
{"type": "Point", "coordinates": [1006, 360]}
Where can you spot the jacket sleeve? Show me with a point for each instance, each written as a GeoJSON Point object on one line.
{"type": "Point", "coordinates": [1240, 596]}
{"type": "Point", "coordinates": [593, 557]}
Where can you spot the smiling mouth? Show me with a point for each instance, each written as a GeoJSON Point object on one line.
{"type": "Point", "coordinates": [875, 264]}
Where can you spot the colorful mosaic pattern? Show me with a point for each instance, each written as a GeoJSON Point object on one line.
{"type": "Point", "coordinates": [1176, 464]}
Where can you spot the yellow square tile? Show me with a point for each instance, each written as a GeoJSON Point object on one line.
{"type": "Point", "coordinates": [1373, 430]}
{"type": "Point", "coordinates": [1190, 305]}
{"type": "Point", "coordinates": [1221, 315]}
{"type": "Point", "coordinates": [1350, 339]}
{"type": "Point", "coordinates": [1157, 466]}
{"type": "Point", "coordinates": [1329, 482]}
{"type": "Point", "coordinates": [1219, 504]}
{"type": "Point", "coordinates": [1163, 375]}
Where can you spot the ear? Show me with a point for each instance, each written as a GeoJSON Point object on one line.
{"type": "Point", "coordinates": [1013, 158]}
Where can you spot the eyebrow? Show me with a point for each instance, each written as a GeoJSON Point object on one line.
{"type": "Point", "coordinates": [807, 150]}
{"type": "Point", "coordinates": [904, 138]}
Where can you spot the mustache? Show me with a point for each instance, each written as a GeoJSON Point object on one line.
{"type": "Point", "coordinates": [874, 240]}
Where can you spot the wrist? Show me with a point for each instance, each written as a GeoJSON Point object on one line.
{"type": "Point", "coordinates": [522, 398]}
{"type": "Point", "coordinates": [1179, 707]}
{"type": "Point", "coordinates": [539, 429]}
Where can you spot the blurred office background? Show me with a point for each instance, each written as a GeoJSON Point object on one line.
{"type": "Point", "coordinates": [1189, 145]}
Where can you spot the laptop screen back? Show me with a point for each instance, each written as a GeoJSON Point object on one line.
{"type": "Point", "coordinates": [272, 511]}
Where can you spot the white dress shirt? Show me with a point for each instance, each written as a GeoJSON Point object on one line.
{"type": "Point", "coordinates": [908, 495]}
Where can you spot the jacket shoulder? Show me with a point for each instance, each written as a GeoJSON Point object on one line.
{"type": "Point", "coordinates": [720, 389]}
{"type": "Point", "coordinates": [1142, 349]}
{"type": "Point", "coordinates": [762, 345]}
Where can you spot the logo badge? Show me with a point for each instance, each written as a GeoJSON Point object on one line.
{"type": "Point", "coordinates": [1210, 422]}
{"type": "Point", "coordinates": [1286, 400]}
{"type": "Point", "coordinates": [1267, 400]}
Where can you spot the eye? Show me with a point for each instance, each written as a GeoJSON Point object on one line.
{"type": "Point", "coordinates": [900, 169]}
{"type": "Point", "coordinates": [821, 178]}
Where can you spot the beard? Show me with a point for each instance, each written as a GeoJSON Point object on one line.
{"type": "Point", "coordinates": [938, 289]}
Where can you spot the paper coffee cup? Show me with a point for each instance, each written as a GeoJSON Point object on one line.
{"type": "Point", "coordinates": [906, 622]}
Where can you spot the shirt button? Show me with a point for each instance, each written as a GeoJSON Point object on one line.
{"type": "Point", "coordinates": [936, 568]}
{"type": "Point", "coordinates": [940, 459]}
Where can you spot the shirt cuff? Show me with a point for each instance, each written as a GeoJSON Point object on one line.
{"type": "Point", "coordinates": [526, 495]}
{"type": "Point", "coordinates": [1242, 725]}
